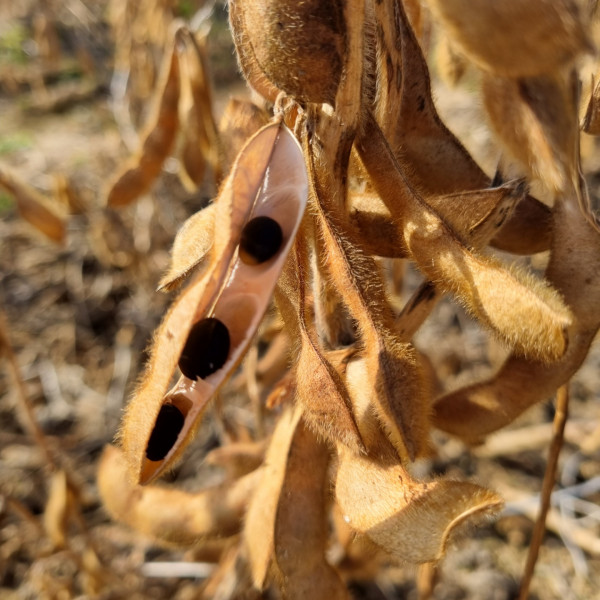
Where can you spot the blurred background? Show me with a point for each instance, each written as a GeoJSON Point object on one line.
{"type": "Point", "coordinates": [78, 83]}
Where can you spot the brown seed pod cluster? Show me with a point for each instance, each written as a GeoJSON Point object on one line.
{"type": "Point", "coordinates": [356, 137]}
{"type": "Point", "coordinates": [181, 103]}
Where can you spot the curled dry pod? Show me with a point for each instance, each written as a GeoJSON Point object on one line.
{"type": "Point", "coordinates": [516, 38]}
{"type": "Point", "coordinates": [299, 46]}
{"type": "Point", "coordinates": [140, 171]}
{"type": "Point", "coordinates": [479, 409]}
{"type": "Point", "coordinates": [286, 523]}
{"type": "Point", "coordinates": [200, 137]}
{"type": "Point", "coordinates": [221, 309]}
{"type": "Point", "coordinates": [34, 207]}
{"type": "Point", "coordinates": [411, 520]}
{"type": "Point", "coordinates": [172, 516]}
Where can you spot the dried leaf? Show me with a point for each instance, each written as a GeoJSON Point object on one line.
{"type": "Point", "coordinates": [523, 311]}
{"type": "Point", "coordinates": [140, 171]}
{"type": "Point", "coordinates": [191, 249]}
{"type": "Point", "coordinates": [269, 178]}
{"type": "Point", "coordinates": [34, 207]}
{"type": "Point", "coordinates": [409, 519]}
{"type": "Point", "coordinates": [200, 137]}
{"type": "Point", "coordinates": [173, 516]}
{"type": "Point", "coordinates": [516, 38]}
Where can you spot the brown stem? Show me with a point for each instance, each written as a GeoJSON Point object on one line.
{"type": "Point", "coordinates": [29, 422]}
{"type": "Point", "coordinates": [560, 420]}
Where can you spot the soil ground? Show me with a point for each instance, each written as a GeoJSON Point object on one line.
{"type": "Point", "coordinates": [80, 316]}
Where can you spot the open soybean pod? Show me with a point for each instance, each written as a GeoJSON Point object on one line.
{"type": "Point", "coordinates": [209, 327]}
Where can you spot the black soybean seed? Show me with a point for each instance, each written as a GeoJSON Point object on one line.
{"type": "Point", "coordinates": [261, 240]}
{"type": "Point", "coordinates": [166, 429]}
{"type": "Point", "coordinates": [206, 349]}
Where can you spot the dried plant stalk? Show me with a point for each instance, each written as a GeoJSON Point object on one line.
{"type": "Point", "coordinates": [560, 420]}
{"type": "Point", "coordinates": [139, 173]}
{"type": "Point", "coordinates": [173, 516]}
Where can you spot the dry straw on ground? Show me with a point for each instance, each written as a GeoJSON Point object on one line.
{"type": "Point", "coordinates": [332, 431]}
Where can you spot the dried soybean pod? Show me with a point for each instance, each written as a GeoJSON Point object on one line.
{"type": "Point", "coordinates": [378, 497]}
{"type": "Point", "coordinates": [34, 207]}
{"type": "Point", "coordinates": [140, 171]}
{"type": "Point", "coordinates": [191, 248]}
{"type": "Point", "coordinates": [477, 410]}
{"type": "Point", "coordinates": [516, 38]}
{"type": "Point", "coordinates": [259, 526]}
{"type": "Point", "coordinates": [319, 390]}
{"type": "Point", "coordinates": [249, 65]}
{"type": "Point", "coordinates": [201, 143]}
{"type": "Point", "coordinates": [299, 46]}
{"type": "Point", "coordinates": [394, 374]}
{"type": "Point", "coordinates": [300, 529]}
{"type": "Point", "coordinates": [483, 285]}
{"type": "Point", "coordinates": [285, 526]}
{"type": "Point", "coordinates": [429, 155]}
{"type": "Point", "coordinates": [173, 516]}
{"type": "Point", "coordinates": [269, 177]}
